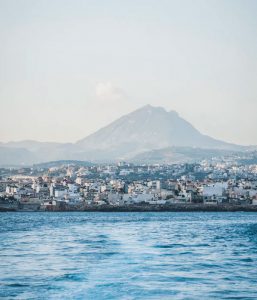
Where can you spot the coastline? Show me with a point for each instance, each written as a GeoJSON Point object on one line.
{"type": "Point", "coordinates": [174, 208]}
{"type": "Point", "coordinates": [152, 208]}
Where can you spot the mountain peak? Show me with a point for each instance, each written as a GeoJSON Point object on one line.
{"type": "Point", "coordinates": [151, 109]}
{"type": "Point", "coordinates": [149, 106]}
{"type": "Point", "coordinates": [147, 128]}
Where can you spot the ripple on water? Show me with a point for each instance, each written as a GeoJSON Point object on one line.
{"type": "Point", "coordinates": [128, 256]}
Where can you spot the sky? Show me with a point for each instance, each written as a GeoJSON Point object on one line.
{"type": "Point", "coordinates": [68, 68]}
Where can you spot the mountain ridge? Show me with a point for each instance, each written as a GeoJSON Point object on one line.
{"type": "Point", "coordinates": [146, 129]}
{"type": "Point", "coordinates": [150, 128]}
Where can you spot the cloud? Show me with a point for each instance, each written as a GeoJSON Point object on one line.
{"type": "Point", "coordinates": [107, 91]}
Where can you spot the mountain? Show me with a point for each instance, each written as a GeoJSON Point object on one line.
{"type": "Point", "coordinates": [10, 157]}
{"type": "Point", "coordinates": [173, 155]}
{"type": "Point", "coordinates": [32, 145]}
{"type": "Point", "coordinates": [146, 129]}
{"type": "Point", "coordinates": [60, 163]}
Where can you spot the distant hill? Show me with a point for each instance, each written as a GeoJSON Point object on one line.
{"type": "Point", "coordinates": [32, 145]}
{"type": "Point", "coordinates": [130, 137]}
{"type": "Point", "coordinates": [59, 163]}
{"type": "Point", "coordinates": [173, 155]}
{"type": "Point", "coordinates": [10, 157]}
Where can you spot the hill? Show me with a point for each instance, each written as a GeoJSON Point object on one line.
{"type": "Point", "coordinates": [135, 136]}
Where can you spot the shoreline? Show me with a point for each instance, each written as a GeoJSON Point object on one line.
{"type": "Point", "coordinates": [152, 208]}
{"type": "Point", "coordinates": [176, 208]}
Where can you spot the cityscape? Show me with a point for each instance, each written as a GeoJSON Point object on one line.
{"type": "Point", "coordinates": [216, 184]}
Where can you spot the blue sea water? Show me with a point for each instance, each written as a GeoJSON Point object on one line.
{"type": "Point", "coordinates": [80, 255]}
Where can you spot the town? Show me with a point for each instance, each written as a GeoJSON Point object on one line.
{"type": "Point", "coordinates": [77, 186]}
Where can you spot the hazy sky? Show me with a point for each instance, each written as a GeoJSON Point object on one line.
{"type": "Point", "coordinates": [68, 68]}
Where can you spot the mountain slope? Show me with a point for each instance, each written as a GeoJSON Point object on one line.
{"type": "Point", "coordinates": [16, 156]}
{"type": "Point", "coordinates": [173, 155]}
{"type": "Point", "coordinates": [145, 129]}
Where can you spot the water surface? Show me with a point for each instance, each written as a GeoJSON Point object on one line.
{"type": "Point", "coordinates": [128, 255]}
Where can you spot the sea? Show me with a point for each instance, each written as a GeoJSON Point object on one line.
{"type": "Point", "coordinates": [144, 255]}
